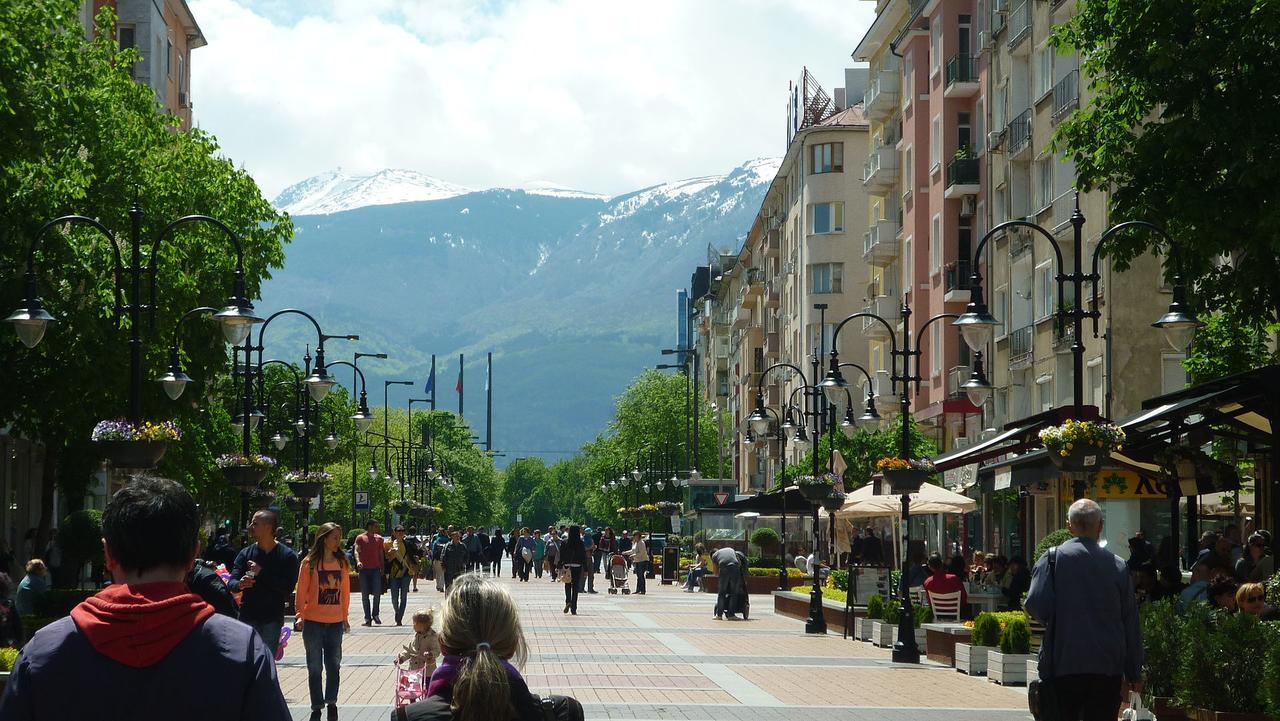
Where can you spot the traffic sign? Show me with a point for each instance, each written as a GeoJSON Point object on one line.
{"type": "Point", "coordinates": [362, 500]}
{"type": "Point", "coordinates": [721, 498]}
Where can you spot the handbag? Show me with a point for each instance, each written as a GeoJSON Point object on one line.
{"type": "Point", "coordinates": [566, 575]}
{"type": "Point", "coordinates": [1042, 696]}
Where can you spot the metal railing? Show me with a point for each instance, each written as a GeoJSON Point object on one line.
{"type": "Point", "coordinates": [962, 171]}
{"type": "Point", "coordinates": [1019, 132]}
{"type": "Point", "coordinates": [1021, 343]}
{"type": "Point", "coordinates": [957, 275]}
{"type": "Point", "coordinates": [962, 68]}
{"type": "Point", "coordinates": [1066, 96]}
{"type": "Point", "coordinates": [1019, 24]}
{"type": "Point", "coordinates": [956, 377]}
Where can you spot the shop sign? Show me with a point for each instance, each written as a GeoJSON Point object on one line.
{"type": "Point", "coordinates": [1116, 483]}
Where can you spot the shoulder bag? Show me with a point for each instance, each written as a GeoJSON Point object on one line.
{"type": "Point", "coordinates": [1042, 696]}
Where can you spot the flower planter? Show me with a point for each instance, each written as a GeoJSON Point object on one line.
{"type": "Point", "coordinates": [883, 633]}
{"type": "Point", "coordinates": [259, 499]}
{"type": "Point", "coordinates": [862, 629]}
{"type": "Point", "coordinates": [942, 639]}
{"type": "Point", "coordinates": [1163, 709]}
{"type": "Point", "coordinates": [1080, 458]}
{"type": "Point", "coordinates": [297, 505]}
{"type": "Point", "coordinates": [1007, 669]}
{"type": "Point", "coordinates": [245, 476]}
{"type": "Point", "coordinates": [139, 455]}
{"type": "Point", "coordinates": [922, 641]}
{"type": "Point", "coordinates": [402, 507]}
{"type": "Point", "coordinates": [906, 480]}
{"type": "Point", "coordinates": [421, 513]}
{"type": "Point", "coordinates": [1033, 669]}
{"type": "Point", "coordinates": [831, 505]}
{"type": "Point", "coordinates": [816, 491]}
{"type": "Point", "coordinates": [305, 489]}
{"type": "Point", "coordinates": [971, 660]}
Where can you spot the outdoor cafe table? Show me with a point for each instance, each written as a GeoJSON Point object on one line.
{"type": "Point", "coordinates": [985, 598]}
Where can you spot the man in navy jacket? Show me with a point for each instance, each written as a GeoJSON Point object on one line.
{"type": "Point", "coordinates": [134, 650]}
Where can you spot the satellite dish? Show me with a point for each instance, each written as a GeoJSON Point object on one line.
{"type": "Point", "coordinates": [802, 563]}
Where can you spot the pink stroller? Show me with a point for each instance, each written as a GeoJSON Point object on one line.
{"type": "Point", "coordinates": [411, 684]}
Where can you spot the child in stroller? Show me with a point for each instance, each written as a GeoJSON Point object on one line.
{"type": "Point", "coordinates": [618, 574]}
{"type": "Point", "coordinates": [418, 659]}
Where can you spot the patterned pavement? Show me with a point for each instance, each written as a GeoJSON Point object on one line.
{"type": "Point", "coordinates": [662, 656]}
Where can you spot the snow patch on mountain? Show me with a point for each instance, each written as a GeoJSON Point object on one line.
{"type": "Point", "coordinates": [336, 191]}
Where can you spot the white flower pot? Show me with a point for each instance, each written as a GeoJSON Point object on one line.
{"type": "Point", "coordinates": [862, 629]}
{"type": "Point", "coordinates": [970, 659]}
{"type": "Point", "coordinates": [921, 638]}
{"type": "Point", "coordinates": [1033, 669]}
{"type": "Point", "coordinates": [883, 633]}
{"type": "Point", "coordinates": [1007, 669]}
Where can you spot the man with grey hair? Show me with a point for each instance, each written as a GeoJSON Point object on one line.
{"type": "Point", "coordinates": [1092, 652]}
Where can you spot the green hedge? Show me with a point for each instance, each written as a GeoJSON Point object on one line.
{"type": "Point", "coordinates": [1054, 538]}
{"type": "Point", "coordinates": [839, 580]}
{"type": "Point", "coordinates": [1016, 637]}
{"type": "Point", "coordinates": [8, 656]}
{"type": "Point", "coordinates": [791, 572]}
{"type": "Point", "coordinates": [875, 607]}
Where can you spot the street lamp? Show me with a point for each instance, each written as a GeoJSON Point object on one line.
{"type": "Point", "coordinates": [279, 440]}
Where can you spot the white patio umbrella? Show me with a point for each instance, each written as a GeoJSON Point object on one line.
{"type": "Point", "coordinates": [929, 499]}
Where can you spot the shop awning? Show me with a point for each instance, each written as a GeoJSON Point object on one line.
{"type": "Point", "coordinates": [768, 503]}
{"type": "Point", "coordinates": [1013, 440]}
{"type": "Point", "coordinates": [929, 499]}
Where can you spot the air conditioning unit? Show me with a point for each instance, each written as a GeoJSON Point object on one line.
{"type": "Point", "coordinates": [968, 206]}
{"type": "Point", "coordinates": [789, 267]}
{"type": "Point", "coordinates": [984, 40]}
{"type": "Point", "coordinates": [184, 100]}
{"type": "Point", "coordinates": [994, 138]}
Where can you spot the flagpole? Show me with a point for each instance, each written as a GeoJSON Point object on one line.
{"type": "Point", "coordinates": [461, 366]}
{"type": "Point", "coordinates": [488, 421]}
{"type": "Point", "coordinates": [432, 381]}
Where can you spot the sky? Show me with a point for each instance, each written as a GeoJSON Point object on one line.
{"type": "Point", "coordinates": [595, 95]}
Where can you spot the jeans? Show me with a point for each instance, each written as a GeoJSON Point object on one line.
{"type": "Point", "coordinates": [324, 649]}
{"type": "Point", "coordinates": [537, 568]}
{"type": "Point", "coordinates": [270, 633]}
{"type": "Point", "coordinates": [399, 596]}
{"type": "Point", "coordinates": [371, 584]}
{"type": "Point", "coordinates": [571, 590]}
{"type": "Point", "coordinates": [641, 567]}
{"type": "Point", "coordinates": [438, 569]}
{"type": "Point", "coordinates": [1087, 696]}
{"type": "Point", "coordinates": [695, 574]}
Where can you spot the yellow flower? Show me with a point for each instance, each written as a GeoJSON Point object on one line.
{"type": "Point", "coordinates": [1063, 454]}
{"type": "Point", "coordinates": [1069, 446]}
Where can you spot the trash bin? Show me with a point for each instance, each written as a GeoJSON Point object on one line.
{"type": "Point", "coordinates": [670, 564]}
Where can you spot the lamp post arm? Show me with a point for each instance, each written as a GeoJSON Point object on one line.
{"type": "Point", "coordinates": [760, 381]}
{"type": "Point", "coordinates": [354, 367]}
{"type": "Point", "coordinates": [77, 220]}
{"type": "Point", "coordinates": [975, 277]}
{"type": "Point", "coordinates": [175, 345]}
{"type": "Point", "coordinates": [835, 335]}
{"type": "Point", "coordinates": [1107, 235]}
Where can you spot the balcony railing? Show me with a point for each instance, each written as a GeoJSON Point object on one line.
{"type": "Point", "coordinates": [1066, 96]}
{"type": "Point", "coordinates": [956, 377]}
{"type": "Point", "coordinates": [1019, 24]}
{"type": "Point", "coordinates": [957, 275]}
{"type": "Point", "coordinates": [962, 68]}
{"type": "Point", "coordinates": [1064, 335]}
{"type": "Point", "coordinates": [962, 171]}
{"type": "Point", "coordinates": [1019, 133]}
{"type": "Point", "coordinates": [1021, 343]}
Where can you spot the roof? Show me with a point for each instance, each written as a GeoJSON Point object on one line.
{"type": "Point", "coordinates": [850, 116]}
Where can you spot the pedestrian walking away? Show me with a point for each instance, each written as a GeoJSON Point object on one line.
{"type": "Point", "coordinates": [483, 648]}
{"type": "Point", "coordinates": [438, 543]}
{"type": "Point", "coordinates": [590, 568]}
{"type": "Point", "coordinates": [400, 569]}
{"type": "Point", "coordinates": [323, 602]}
{"type": "Point", "coordinates": [539, 555]}
{"type": "Point", "coordinates": [510, 550]}
{"type": "Point", "coordinates": [137, 648]}
{"type": "Point", "coordinates": [497, 547]}
{"type": "Point", "coordinates": [552, 559]}
{"type": "Point", "coordinates": [453, 559]}
{"type": "Point", "coordinates": [370, 549]}
{"type": "Point", "coordinates": [573, 556]}
{"type": "Point", "coordinates": [475, 551]}
{"type": "Point", "coordinates": [1092, 652]}
{"type": "Point", "coordinates": [264, 573]}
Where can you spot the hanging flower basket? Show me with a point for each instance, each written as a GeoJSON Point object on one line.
{"type": "Point", "coordinates": [905, 475]}
{"type": "Point", "coordinates": [834, 501]}
{"type": "Point", "coordinates": [134, 447]}
{"type": "Point", "coordinates": [648, 510]}
{"type": "Point", "coordinates": [816, 488]}
{"type": "Point", "coordinates": [402, 507]}
{"type": "Point", "coordinates": [307, 485]}
{"type": "Point", "coordinates": [260, 498]}
{"type": "Point", "coordinates": [422, 512]}
{"type": "Point", "coordinates": [295, 504]}
{"type": "Point", "coordinates": [668, 508]}
{"type": "Point", "coordinates": [244, 471]}
{"type": "Point", "coordinates": [1081, 445]}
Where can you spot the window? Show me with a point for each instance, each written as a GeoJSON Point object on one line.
{"type": "Point", "coordinates": [826, 278]}
{"type": "Point", "coordinates": [1000, 206]}
{"type": "Point", "coordinates": [1044, 183]}
{"type": "Point", "coordinates": [128, 39]}
{"type": "Point", "coordinates": [935, 45]}
{"type": "Point", "coordinates": [907, 172]}
{"type": "Point", "coordinates": [824, 343]}
{"type": "Point", "coordinates": [935, 349]}
{"type": "Point", "coordinates": [1001, 310]}
{"type": "Point", "coordinates": [1097, 392]}
{"type": "Point", "coordinates": [827, 218]}
{"type": "Point", "coordinates": [826, 158]}
{"type": "Point", "coordinates": [979, 135]}
{"type": "Point", "coordinates": [908, 82]}
{"type": "Point", "coordinates": [935, 244]}
{"type": "Point", "coordinates": [965, 24]}
{"type": "Point", "coordinates": [1045, 292]}
{"type": "Point", "coordinates": [964, 131]}
{"type": "Point", "coordinates": [935, 149]}
{"type": "Point", "coordinates": [1043, 71]}
{"type": "Point", "coordinates": [1044, 388]}
{"type": "Point", "coordinates": [168, 58]}
{"type": "Point", "coordinates": [1173, 377]}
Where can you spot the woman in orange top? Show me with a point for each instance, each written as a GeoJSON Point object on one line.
{"type": "Point", "coordinates": [323, 600]}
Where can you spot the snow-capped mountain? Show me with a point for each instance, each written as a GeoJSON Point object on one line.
{"type": "Point", "coordinates": [572, 292]}
{"type": "Point", "coordinates": [336, 191]}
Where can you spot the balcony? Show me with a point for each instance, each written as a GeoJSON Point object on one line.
{"type": "Point", "coordinates": [1064, 336]}
{"type": "Point", "coordinates": [1021, 347]}
{"type": "Point", "coordinates": [881, 170]}
{"type": "Point", "coordinates": [887, 307]}
{"type": "Point", "coordinates": [754, 284]}
{"type": "Point", "coordinates": [772, 345]}
{"type": "Point", "coordinates": [881, 97]}
{"type": "Point", "coordinates": [957, 279]}
{"type": "Point", "coordinates": [956, 377]}
{"type": "Point", "coordinates": [893, 131]}
{"type": "Point", "coordinates": [772, 293]}
{"type": "Point", "coordinates": [880, 243]}
{"type": "Point", "coordinates": [1066, 96]}
{"type": "Point", "coordinates": [1063, 207]}
{"type": "Point", "coordinates": [962, 178]}
{"type": "Point", "coordinates": [773, 244]}
{"type": "Point", "coordinates": [742, 317]}
{"type": "Point", "coordinates": [1020, 29]}
{"type": "Point", "coordinates": [1019, 134]}
{"type": "Point", "coordinates": [962, 76]}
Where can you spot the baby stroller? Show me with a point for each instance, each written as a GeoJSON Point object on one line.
{"type": "Point", "coordinates": [618, 574]}
{"type": "Point", "coordinates": [411, 684]}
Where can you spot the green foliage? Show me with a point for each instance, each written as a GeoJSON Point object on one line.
{"type": "Point", "coordinates": [923, 614]}
{"type": "Point", "coordinates": [875, 607]}
{"type": "Point", "coordinates": [1210, 673]}
{"type": "Point", "coordinates": [351, 535]}
{"type": "Point", "coordinates": [81, 136]}
{"type": "Point", "coordinates": [1016, 637]}
{"type": "Point", "coordinates": [1227, 344]}
{"type": "Point", "coordinates": [1182, 131]}
{"type": "Point", "coordinates": [839, 580]}
{"type": "Point", "coordinates": [892, 607]}
{"type": "Point", "coordinates": [986, 630]}
{"type": "Point", "coordinates": [1051, 539]}
{"type": "Point", "coordinates": [766, 538]}
{"type": "Point", "coordinates": [1162, 627]}
{"type": "Point", "coordinates": [791, 572]}
{"type": "Point", "coordinates": [80, 536]}
{"type": "Point", "coordinates": [8, 656]}
{"type": "Point", "coordinates": [861, 451]}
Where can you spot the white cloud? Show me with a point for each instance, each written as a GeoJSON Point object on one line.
{"type": "Point", "coordinates": [602, 96]}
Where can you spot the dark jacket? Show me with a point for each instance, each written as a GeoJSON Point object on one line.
{"type": "Point", "coordinates": [10, 624]}
{"type": "Point", "coordinates": [528, 707]}
{"type": "Point", "coordinates": [454, 558]}
{"type": "Point", "coordinates": [208, 585]}
{"type": "Point", "coordinates": [59, 675]}
{"type": "Point", "coordinates": [573, 552]}
{"type": "Point", "coordinates": [276, 578]}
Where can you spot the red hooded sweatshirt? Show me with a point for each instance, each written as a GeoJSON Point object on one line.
{"type": "Point", "coordinates": [138, 625]}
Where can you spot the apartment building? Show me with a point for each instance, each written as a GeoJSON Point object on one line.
{"type": "Point", "coordinates": [803, 248]}
{"type": "Point", "coordinates": [963, 101]}
{"type": "Point", "coordinates": [164, 33]}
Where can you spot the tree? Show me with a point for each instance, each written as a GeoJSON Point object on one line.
{"type": "Point", "coordinates": [1184, 130]}
{"type": "Point", "coordinates": [861, 451]}
{"type": "Point", "coordinates": [1224, 346]}
{"type": "Point", "coordinates": [81, 136]}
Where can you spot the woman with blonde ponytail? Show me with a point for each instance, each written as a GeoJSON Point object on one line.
{"type": "Point", "coordinates": [483, 646]}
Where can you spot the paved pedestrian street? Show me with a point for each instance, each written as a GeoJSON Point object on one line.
{"type": "Point", "coordinates": [663, 656]}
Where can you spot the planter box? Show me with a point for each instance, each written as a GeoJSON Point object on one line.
{"type": "Point", "coordinates": [1204, 714]}
{"type": "Point", "coordinates": [1163, 709]}
{"type": "Point", "coordinates": [1033, 669]}
{"type": "Point", "coordinates": [1081, 458]}
{"type": "Point", "coordinates": [883, 633]}
{"type": "Point", "coordinates": [922, 640]}
{"type": "Point", "coordinates": [795, 605]}
{"type": "Point", "coordinates": [862, 629]}
{"type": "Point", "coordinates": [1007, 669]}
{"type": "Point", "coordinates": [816, 491]}
{"type": "Point", "coordinates": [759, 585]}
{"type": "Point", "coordinates": [907, 480]}
{"type": "Point", "coordinates": [132, 455]}
{"type": "Point", "coordinates": [971, 660]}
{"type": "Point", "coordinates": [941, 640]}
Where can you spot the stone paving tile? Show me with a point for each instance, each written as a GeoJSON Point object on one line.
{"type": "Point", "coordinates": [891, 687]}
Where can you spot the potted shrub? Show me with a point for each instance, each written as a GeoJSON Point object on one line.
{"type": "Point", "coordinates": [971, 658]}
{"type": "Point", "coordinates": [923, 614]}
{"type": "Point", "coordinates": [1162, 626]}
{"type": "Point", "coordinates": [1223, 666]}
{"type": "Point", "coordinates": [1081, 445]}
{"type": "Point", "coordinates": [134, 447]}
{"type": "Point", "coordinates": [834, 501]}
{"type": "Point", "coordinates": [648, 510]}
{"type": "Point", "coordinates": [884, 632]}
{"type": "Point", "coordinates": [1008, 665]}
{"type": "Point", "coordinates": [905, 475]}
{"type": "Point", "coordinates": [766, 539]}
{"type": "Point", "coordinates": [8, 657]}
{"type": "Point", "coordinates": [307, 485]}
{"type": "Point", "coordinates": [875, 612]}
{"type": "Point", "coordinates": [244, 471]}
{"type": "Point", "coordinates": [816, 488]}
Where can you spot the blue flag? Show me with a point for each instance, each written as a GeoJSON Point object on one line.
{"type": "Point", "coordinates": [431, 379]}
